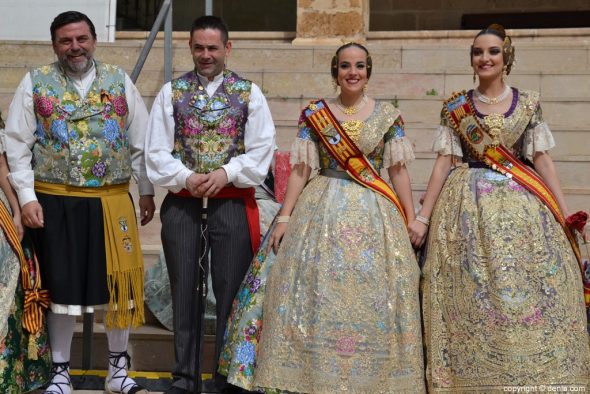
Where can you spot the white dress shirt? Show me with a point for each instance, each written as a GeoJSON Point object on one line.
{"type": "Point", "coordinates": [245, 170]}
{"type": "Point", "coordinates": [21, 124]}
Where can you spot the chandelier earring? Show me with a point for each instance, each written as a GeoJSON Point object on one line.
{"type": "Point", "coordinates": [504, 73]}
{"type": "Point", "coordinates": [365, 88]}
{"type": "Point", "coordinates": [474, 77]}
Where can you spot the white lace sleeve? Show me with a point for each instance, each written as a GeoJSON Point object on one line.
{"type": "Point", "coordinates": [446, 142]}
{"type": "Point", "coordinates": [2, 141]}
{"type": "Point", "coordinates": [305, 151]}
{"type": "Point", "coordinates": [397, 150]}
{"type": "Point", "coordinates": [537, 139]}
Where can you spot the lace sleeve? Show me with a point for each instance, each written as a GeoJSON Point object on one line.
{"type": "Point", "coordinates": [305, 151]}
{"type": "Point", "coordinates": [446, 142]}
{"type": "Point", "coordinates": [537, 139]}
{"type": "Point", "coordinates": [398, 150]}
{"type": "Point", "coordinates": [538, 136]}
{"type": "Point", "coordinates": [305, 147]}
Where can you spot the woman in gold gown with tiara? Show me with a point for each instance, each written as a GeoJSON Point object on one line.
{"type": "Point", "coordinates": [503, 298]}
{"type": "Point", "coordinates": [341, 309]}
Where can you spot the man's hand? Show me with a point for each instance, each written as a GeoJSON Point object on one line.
{"type": "Point", "coordinates": [216, 181]}
{"type": "Point", "coordinates": [32, 214]}
{"type": "Point", "coordinates": [193, 182]}
{"type": "Point", "coordinates": [146, 209]}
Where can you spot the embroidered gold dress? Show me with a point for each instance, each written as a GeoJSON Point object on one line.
{"type": "Point", "coordinates": [341, 311]}
{"type": "Point", "coordinates": [503, 301]}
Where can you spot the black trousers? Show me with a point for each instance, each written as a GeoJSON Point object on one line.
{"type": "Point", "coordinates": [231, 255]}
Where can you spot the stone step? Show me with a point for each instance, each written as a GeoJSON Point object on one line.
{"type": "Point", "coordinates": [151, 348]}
{"type": "Point", "coordinates": [254, 56]}
{"type": "Point", "coordinates": [409, 67]}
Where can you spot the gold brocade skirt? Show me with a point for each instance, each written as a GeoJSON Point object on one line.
{"type": "Point", "coordinates": [341, 310]}
{"type": "Point", "coordinates": [503, 302]}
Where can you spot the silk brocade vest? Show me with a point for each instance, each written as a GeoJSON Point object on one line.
{"type": "Point", "coordinates": [209, 130]}
{"type": "Point", "coordinates": [81, 141]}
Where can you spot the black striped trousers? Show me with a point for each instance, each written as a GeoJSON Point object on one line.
{"type": "Point", "coordinates": [231, 254]}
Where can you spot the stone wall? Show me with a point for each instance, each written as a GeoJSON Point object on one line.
{"type": "Point", "coordinates": [332, 20]}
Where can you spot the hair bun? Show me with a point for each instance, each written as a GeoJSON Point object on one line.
{"type": "Point", "coordinates": [498, 27]}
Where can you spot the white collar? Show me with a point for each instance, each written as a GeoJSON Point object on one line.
{"type": "Point", "coordinates": [205, 81]}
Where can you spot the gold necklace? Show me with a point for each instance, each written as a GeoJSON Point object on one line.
{"type": "Point", "coordinates": [353, 109]}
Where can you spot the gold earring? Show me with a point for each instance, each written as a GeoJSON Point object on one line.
{"type": "Point", "coordinates": [504, 73]}
{"type": "Point", "coordinates": [474, 77]}
{"type": "Point", "coordinates": [365, 88]}
{"type": "Point", "coordinates": [335, 85]}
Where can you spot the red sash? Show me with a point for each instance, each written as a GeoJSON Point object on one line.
{"type": "Point", "coordinates": [252, 215]}
{"type": "Point", "coordinates": [460, 113]}
{"type": "Point", "coordinates": [346, 153]}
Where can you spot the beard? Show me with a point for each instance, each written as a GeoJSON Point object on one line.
{"type": "Point", "coordinates": [76, 68]}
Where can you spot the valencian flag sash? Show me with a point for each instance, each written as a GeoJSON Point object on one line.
{"type": "Point", "coordinates": [348, 155]}
{"type": "Point", "coordinates": [484, 144]}
{"type": "Point", "coordinates": [36, 299]}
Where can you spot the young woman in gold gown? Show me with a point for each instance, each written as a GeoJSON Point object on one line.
{"type": "Point", "coordinates": [341, 309]}
{"type": "Point", "coordinates": [503, 300]}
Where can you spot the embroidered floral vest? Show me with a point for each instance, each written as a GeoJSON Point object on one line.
{"type": "Point", "coordinates": [81, 141]}
{"type": "Point", "coordinates": [209, 131]}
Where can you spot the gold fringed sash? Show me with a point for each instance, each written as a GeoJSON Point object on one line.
{"type": "Point", "coordinates": [347, 153]}
{"type": "Point", "coordinates": [460, 113]}
{"type": "Point", "coordinates": [123, 251]}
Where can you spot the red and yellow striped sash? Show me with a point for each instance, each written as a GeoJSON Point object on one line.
{"type": "Point", "coordinates": [347, 153]}
{"type": "Point", "coordinates": [36, 300]}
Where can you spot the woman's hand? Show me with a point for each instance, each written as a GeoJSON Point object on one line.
{"type": "Point", "coordinates": [18, 223]}
{"type": "Point", "coordinates": [417, 232]}
{"type": "Point", "coordinates": [276, 236]}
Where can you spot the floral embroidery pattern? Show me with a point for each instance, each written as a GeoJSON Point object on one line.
{"type": "Point", "coordinates": [18, 372]}
{"type": "Point", "coordinates": [89, 129]}
{"type": "Point", "coordinates": [242, 336]}
{"type": "Point", "coordinates": [209, 130]}
{"type": "Point", "coordinates": [44, 107]}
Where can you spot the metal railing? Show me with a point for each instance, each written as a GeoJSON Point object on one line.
{"type": "Point", "coordinates": [165, 14]}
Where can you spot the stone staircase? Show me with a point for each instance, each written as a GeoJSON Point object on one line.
{"type": "Point", "coordinates": [416, 70]}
